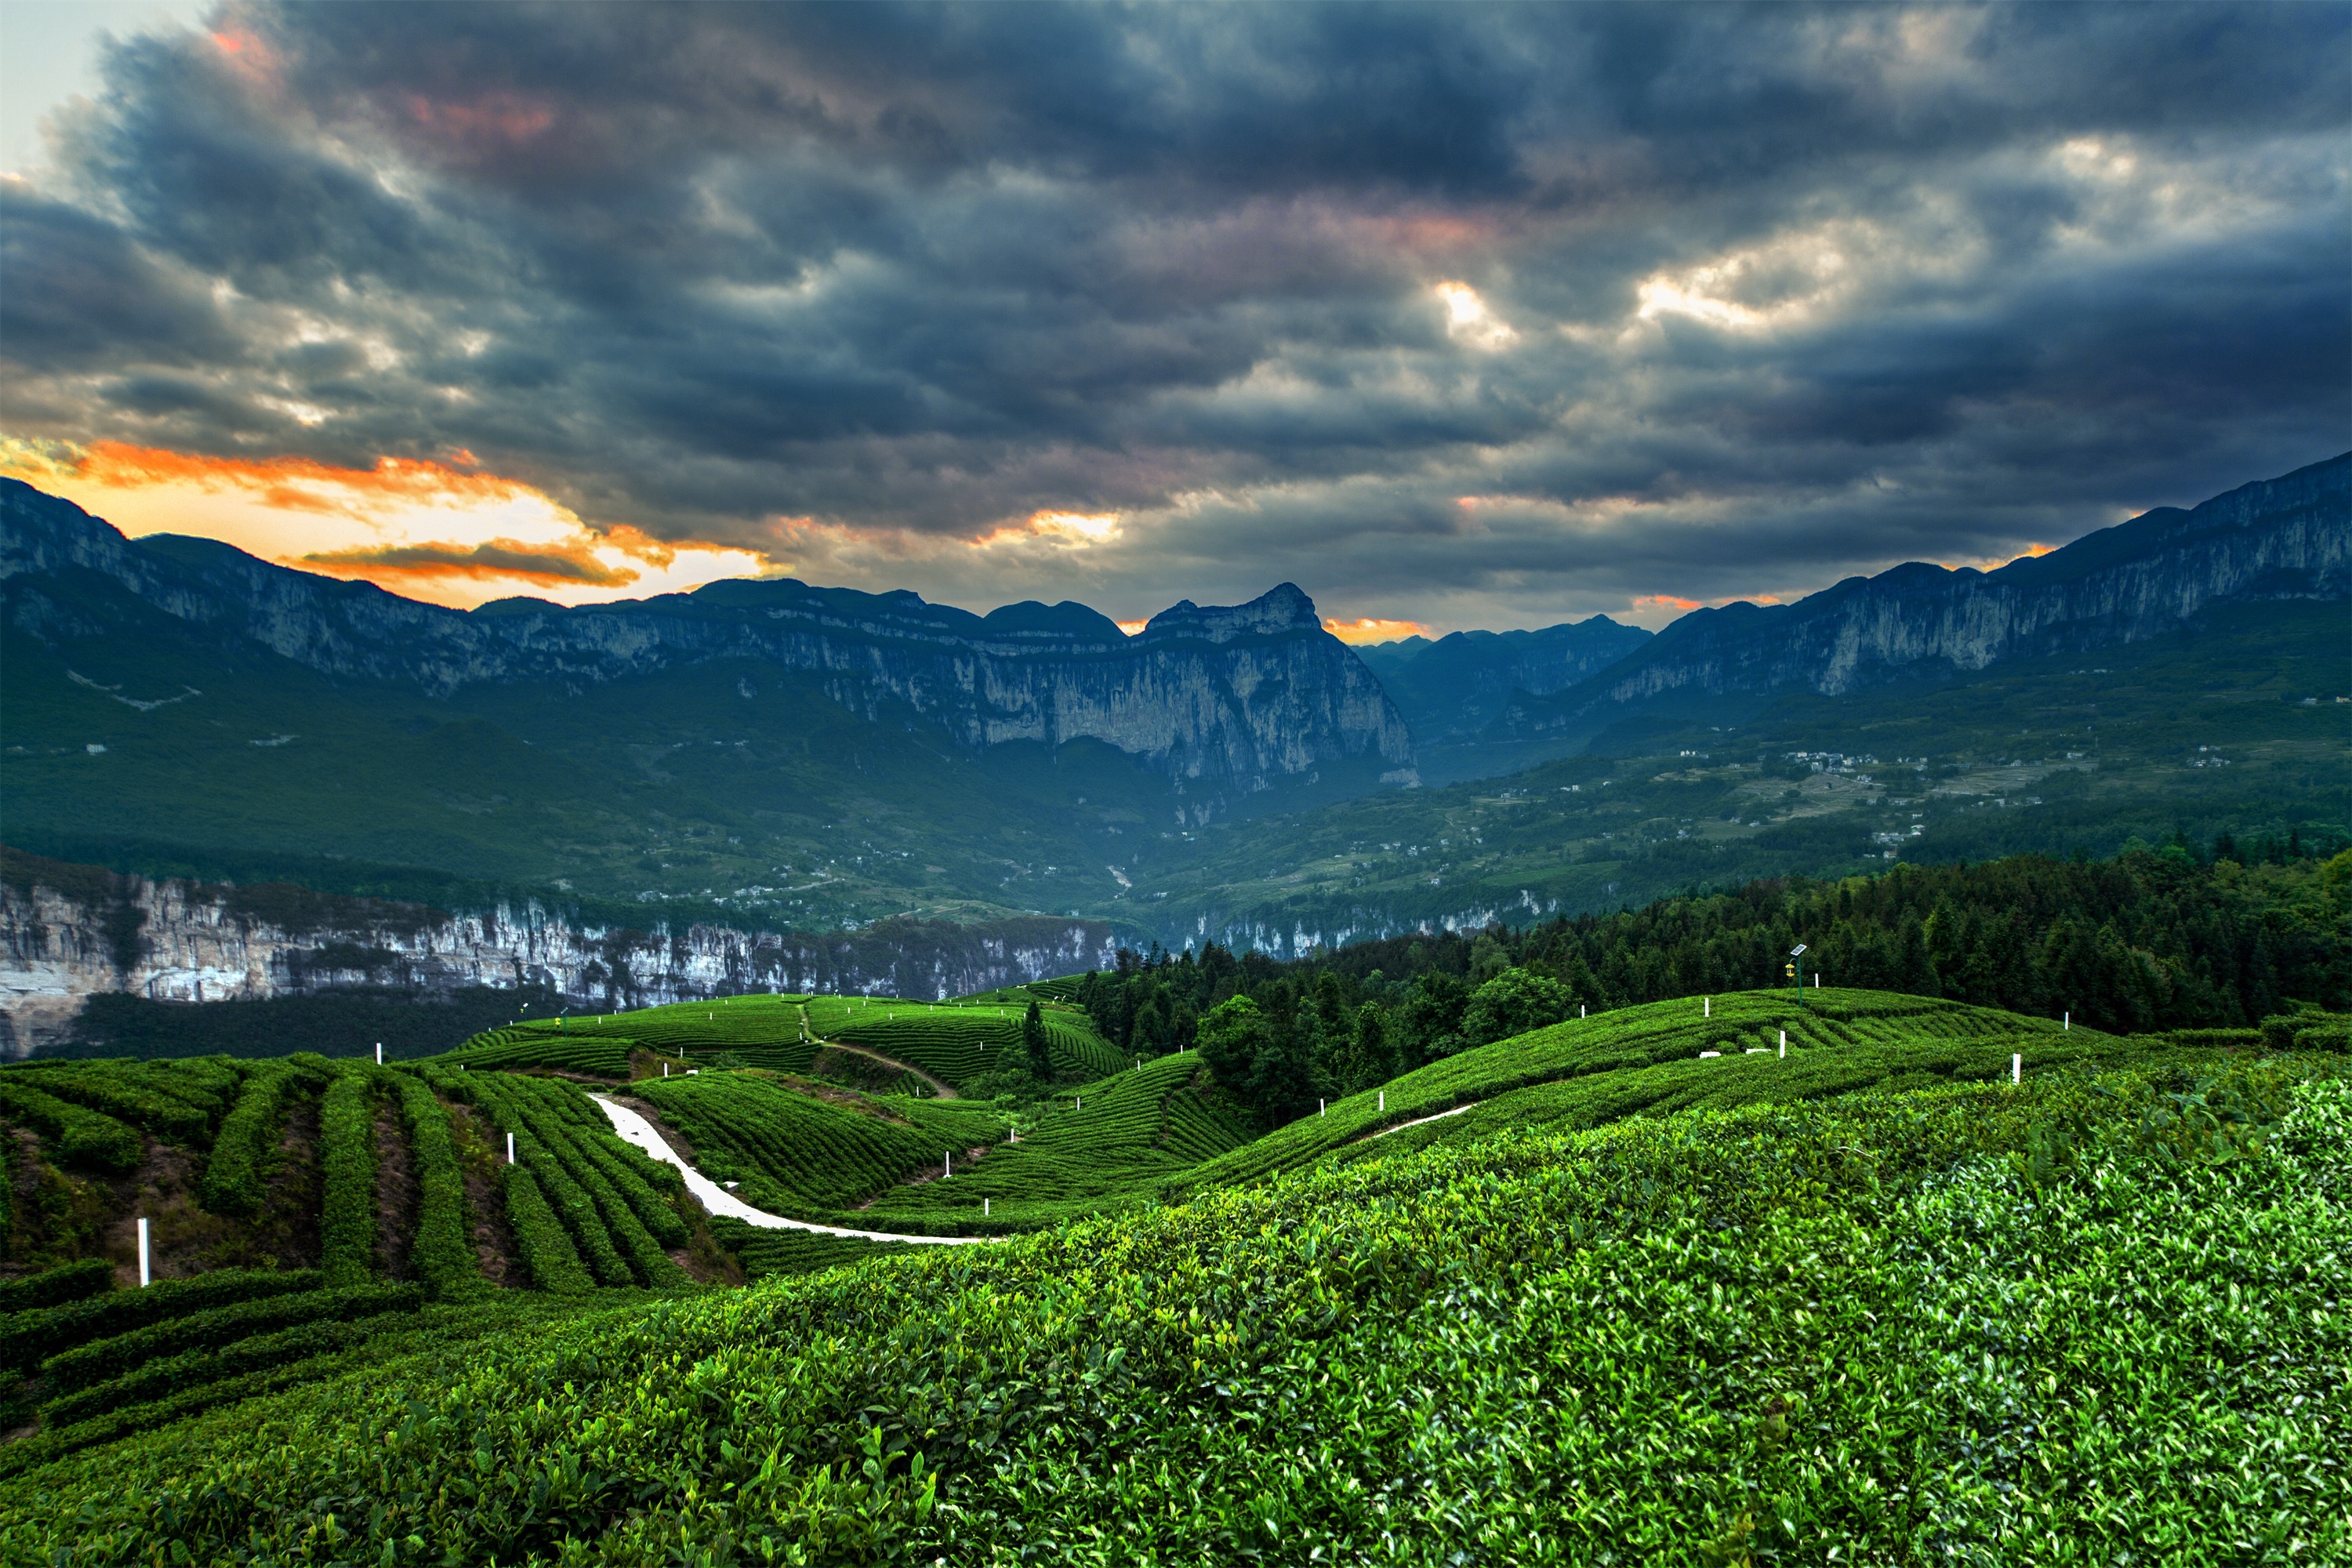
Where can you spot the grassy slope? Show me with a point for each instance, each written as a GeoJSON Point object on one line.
{"type": "Point", "coordinates": [1709, 1338]}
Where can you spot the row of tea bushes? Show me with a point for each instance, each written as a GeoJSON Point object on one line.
{"type": "Point", "coordinates": [616, 1207]}
{"type": "Point", "coordinates": [1709, 1338]}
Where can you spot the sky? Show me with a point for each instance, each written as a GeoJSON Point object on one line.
{"type": "Point", "coordinates": [1460, 316]}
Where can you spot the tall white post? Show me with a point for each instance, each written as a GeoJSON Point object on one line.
{"type": "Point", "coordinates": [379, 1053]}
{"type": "Point", "coordinates": [1817, 980]}
{"type": "Point", "coordinates": [2017, 1067]}
{"type": "Point", "coordinates": [950, 1159]}
{"type": "Point", "coordinates": [2068, 1025]}
{"type": "Point", "coordinates": [1707, 1008]}
{"type": "Point", "coordinates": [1784, 1042]}
{"type": "Point", "coordinates": [1384, 1100]}
{"type": "Point", "coordinates": [1579, 1009]}
{"type": "Point", "coordinates": [143, 1249]}
{"type": "Point", "coordinates": [1319, 1109]}
{"type": "Point", "coordinates": [510, 1148]}
{"type": "Point", "coordinates": [983, 1208]}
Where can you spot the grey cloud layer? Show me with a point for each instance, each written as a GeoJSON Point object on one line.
{"type": "Point", "coordinates": [852, 283]}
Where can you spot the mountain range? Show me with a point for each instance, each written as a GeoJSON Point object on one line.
{"type": "Point", "coordinates": [765, 755]}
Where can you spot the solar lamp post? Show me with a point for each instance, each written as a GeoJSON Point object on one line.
{"type": "Point", "coordinates": [1795, 970]}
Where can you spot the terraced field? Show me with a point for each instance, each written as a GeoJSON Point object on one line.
{"type": "Point", "coordinates": [1669, 1056]}
{"type": "Point", "coordinates": [1702, 1183]}
{"type": "Point", "coordinates": [953, 1043]}
{"type": "Point", "coordinates": [1111, 1143]}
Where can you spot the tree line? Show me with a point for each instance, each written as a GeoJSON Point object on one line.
{"type": "Point", "coordinates": [2156, 938]}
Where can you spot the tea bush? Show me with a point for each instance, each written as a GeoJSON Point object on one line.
{"type": "Point", "coordinates": [1843, 1331]}
{"type": "Point", "coordinates": [78, 1135]}
{"type": "Point", "coordinates": [442, 1252]}
{"type": "Point", "coordinates": [347, 1158]}
{"type": "Point", "coordinates": [233, 1174]}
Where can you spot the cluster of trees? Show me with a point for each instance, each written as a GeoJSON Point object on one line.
{"type": "Point", "coordinates": [2154, 939]}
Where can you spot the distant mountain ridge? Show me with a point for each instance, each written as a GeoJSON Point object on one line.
{"type": "Point", "coordinates": [2287, 538]}
{"type": "Point", "coordinates": [1455, 685]}
{"type": "Point", "coordinates": [1245, 697]}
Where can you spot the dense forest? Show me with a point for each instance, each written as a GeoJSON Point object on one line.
{"type": "Point", "coordinates": [2154, 938]}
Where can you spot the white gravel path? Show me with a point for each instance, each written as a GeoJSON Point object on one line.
{"type": "Point", "coordinates": [1420, 1121]}
{"type": "Point", "coordinates": [717, 1200]}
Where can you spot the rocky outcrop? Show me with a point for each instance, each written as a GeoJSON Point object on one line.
{"type": "Point", "coordinates": [1248, 697]}
{"type": "Point", "coordinates": [2288, 538]}
{"type": "Point", "coordinates": [70, 933]}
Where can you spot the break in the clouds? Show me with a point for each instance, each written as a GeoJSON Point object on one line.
{"type": "Point", "coordinates": [1459, 316]}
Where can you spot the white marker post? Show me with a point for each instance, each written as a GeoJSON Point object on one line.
{"type": "Point", "coordinates": [1817, 980]}
{"type": "Point", "coordinates": [1320, 1108]}
{"type": "Point", "coordinates": [379, 1053]}
{"type": "Point", "coordinates": [1384, 1100]}
{"type": "Point", "coordinates": [950, 1159]}
{"type": "Point", "coordinates": [510, 1148]}
{"type": "Point", "coordinates": [2017, 1067]}
{"type": "Point", "coordinates": [1784, 1043]}
{"type": "Point", "coordinates": [2069, 1023]}
{"type": "Point", "coordinates": [1579, 1009]}
{"type": "Point", "coordinates": [142, 1250]}
{"type": "Point", "coordinates": [983, 1208]}
{"type": "Point", "coordinates": [1707, 1007]}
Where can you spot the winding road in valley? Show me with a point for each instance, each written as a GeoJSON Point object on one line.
{"type": "Point", "coordinates": [635, 1130]}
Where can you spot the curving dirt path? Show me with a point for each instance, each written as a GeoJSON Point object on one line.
{"type": "Point", "coordinates": [941, 1089]}
{"type": "Point", "coordinates": [635, 1130]}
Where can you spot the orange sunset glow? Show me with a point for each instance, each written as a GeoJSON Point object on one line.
{"type": "Point", "coordinates": [1373, 629]}
{"type": "Point", "coordinates": [443, 531]}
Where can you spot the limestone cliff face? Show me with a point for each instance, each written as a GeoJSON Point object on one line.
{"type": "Point", "coordinates": [2288, 538]}
{"type": "Point", "coordinates": [178, 941]}
{"type": "Point", "coordinates": [1246, 697]}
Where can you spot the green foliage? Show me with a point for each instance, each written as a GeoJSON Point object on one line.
{"type": "Point", "coordinates": [163, 1376]}
{"type": "Point", "coordinates": [366, 1350]}
{"type": "Point", "coordinates": [443, 1250]}
{"type": "Point", "coordinates": [767, 1253]}
{"type": "Point", "coordinates": [102, 1361]}
{"type": "Point", "coordinates": [2308, 1031]}
{"type": "Point", "coordinates": [233, 1176]}
{"type": "Point", "coordinates": [1513, 1002]}
{"type": "Point", "coordinates": [347, 1157]}
{"type": "Point", "coordinates": [31, 1336]}
{"type": "Point", "coordinates": [603, 1055]}
{"type": "Point", "coordinates": [548, 1255]}
{"type": "Point", "coordinates": [54, 1287]}
{"type": "Point", "coordinates": [1839, 1041]}
{"type": "Point", "coordinates": [1035, 1045]}
{"type": "Point", "coordinates": [602, 1190]}
{"type": "Point", "coordinates": [958, 1045]}
{"type": "Point", "coordinates": [1110, 1144]}
{"type": "Point", "coordinates": [79, 1136]}
{"type": "Point", "coordinates": [177, 1106]}
{"type": "Point", "coordinates": [807, 1157]}
{"type": "Point", "coordinates": [1687, 1340]}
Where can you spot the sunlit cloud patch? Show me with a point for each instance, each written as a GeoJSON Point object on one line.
{"type": "Point", "coordinates": [443, 531]}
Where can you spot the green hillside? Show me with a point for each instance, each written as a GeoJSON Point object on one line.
{"type": "Point", "coordinates": [1597, 1287]}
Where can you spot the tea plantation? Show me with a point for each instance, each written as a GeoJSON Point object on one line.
{"type": "Point", "coordinates": [1759, 1278]}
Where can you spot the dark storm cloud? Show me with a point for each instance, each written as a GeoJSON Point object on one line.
{"type": "Point", "coordinates": [1768, 295]}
